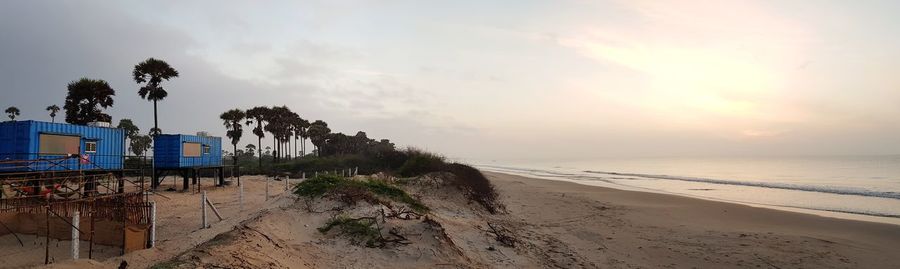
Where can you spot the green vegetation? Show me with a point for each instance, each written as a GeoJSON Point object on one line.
{"type": "Point", "coordinates": [351, 191]}
{"type": "Point", "coordinates": [420, 162]}
{"type": "Point", "coordinates": [477, 187]}
{"type": "Point", "coordinates": [361, 230]}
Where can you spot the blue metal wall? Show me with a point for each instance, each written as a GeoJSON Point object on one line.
{"type": "Point", "coordinates": [168, 151]}
{"type": "Point", "coordinates": [19, 140]}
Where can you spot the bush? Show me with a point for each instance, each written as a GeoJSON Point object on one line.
{"type": "Point", "coordinates": [350, 191]}
{"type": "Point", "coordinates": [420, 163]}
{"type": "Point", "coordinates": [360, 230]}
{"type": "Point", "coordinates": [477, 187]}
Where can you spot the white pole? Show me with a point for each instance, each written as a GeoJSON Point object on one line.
{"type": "Point", "coordinates": [356, 171]}
{"type": "Point", "coordinates": [203, 208]}
{"type": "Point", "coordinates": [317, 173]}
{"type": "Point", "coordinates": [267, 188]}
{"type": "Point", "coordinates": [303, 175]}
{"type": "Point", "coordinates": [153, 224]}
{"type": "Point", "coordinates": [75, 240]}
{"type": "Point", "coordinates": [241, 196]}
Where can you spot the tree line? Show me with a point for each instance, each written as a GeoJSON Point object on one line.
{"type": "Point", "coordinates": [289, 133]}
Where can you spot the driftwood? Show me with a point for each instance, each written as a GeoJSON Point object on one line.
{"type": "Point", "coordinates": [502, 235]}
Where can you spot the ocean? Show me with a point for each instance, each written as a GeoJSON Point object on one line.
{"type": "Point", "coordinates": [852, 187]}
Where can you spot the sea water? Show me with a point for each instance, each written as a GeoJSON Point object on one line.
{"type": "Point", "coordinates": [854, 187]}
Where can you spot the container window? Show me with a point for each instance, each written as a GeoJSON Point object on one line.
{"type": "Point", "coordinates": [59, 144]}
{"type": "Point", "coordinates": [191, 150]}
{"type": "Point", "coordinates": [90, 147]}
{"type": "Point", "coordinates": [205, 149]}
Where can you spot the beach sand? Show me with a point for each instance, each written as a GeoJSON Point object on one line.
{"type": "Point", "coordinates": [627, 229]}
{"type": "Point", "coordinates": [555, 224]}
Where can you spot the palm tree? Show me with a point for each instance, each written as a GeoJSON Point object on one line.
{"type": "Point", "coordinates": [153, 72]}
{"type": "Point", "coordinates": [53, 109]}
{"type": "Point", "coordinates": [299, 128]}
{"type": "Point", "coordinates": [304, 134]}
{"type": "Point", "coordinates": [86, 99]}
{"type": "Point", "coordinates": [12, 112]}
{"type": "Point", "coordinates": [232, 122]}
{"type": "Point", "coordinates": [259, 115]}
{"type": "Point", "coordinates": [278, 125]}
{"type": "Point", "coordinates": [318, 132]}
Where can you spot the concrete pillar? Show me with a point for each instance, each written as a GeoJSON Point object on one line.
{"type": "Point", "coordinates": [152, 224]}
{"type": "Point", "coordinates": [203, 209]}
{"type": "Point", "coordinates": [76, 220]}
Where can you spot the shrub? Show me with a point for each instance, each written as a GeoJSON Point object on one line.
{"type": "Point", "coordinates": [350, 191]}
{"type": "Point", "coordinates": [420, 163]}
{"type": "Point", "coordinates": [477, 187]}
{"type": "Point", "coordinates": [318, 186]}
{"type": "Point", "coordinates": [360, 230]}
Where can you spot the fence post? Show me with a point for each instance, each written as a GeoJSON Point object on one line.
{"type": "Point", "coordinates": [203, 208]}
{"type": "Point", "coordinates": [303, 175]}
{"type": "Point", "coordinates": [153, 224]}
{"type": "Point", "coordinates": [76, 220]}
{"type": "Point", "coordinates": [241, 196]}
{"type": "Point", "coordinates": [356, 171]}
{"type": "Point", "coordinates": [267, 188]}
{"type": "Point", "coordinates": [287, 180]}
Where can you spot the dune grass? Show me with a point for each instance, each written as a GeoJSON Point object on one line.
{"type": "Point", "coordinates": [360, 230]}
{"type": "Point", "coordinates": [351, 191]}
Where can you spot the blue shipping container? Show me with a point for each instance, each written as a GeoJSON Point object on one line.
{"type": "Point", "coordinates": [187, 151]}
{"type": "Point", "coordinates": [55, 144]}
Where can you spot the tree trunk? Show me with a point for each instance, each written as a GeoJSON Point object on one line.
{"type": "Point", "coordinates": [234, 158]}
{"type": "Point", "coordinates": [259, 148]}
{"type": "Point", "coordinates": [155, 121]}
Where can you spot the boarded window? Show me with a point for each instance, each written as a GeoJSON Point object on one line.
{"type": "Point", "coordinates": [191, 150]}
{"type": "Point", "coordinates": [59, 144]}
{"type": "Point", "coordinates": [205, 149]}
{"type": "Point", "coordinates": [90, 147]}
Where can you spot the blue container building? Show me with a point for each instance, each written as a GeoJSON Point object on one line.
{"type": "Point", "coordinates": [44, 146]}
{"type": "Point", "coordinates": [172, 151]}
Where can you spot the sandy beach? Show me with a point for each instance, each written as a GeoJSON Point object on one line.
{"type": "Point", "coordinates": [554, 224]}
{"type": "Point", "coordinates": [627, 229]}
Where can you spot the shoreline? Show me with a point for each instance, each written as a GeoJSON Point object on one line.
{"type": "Point", "coordinates": [659, 229]}
{"type": "Point", "coordinates": [845, 215]}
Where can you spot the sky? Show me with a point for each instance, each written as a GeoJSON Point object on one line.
{"type": "Point", "coordinates": [489, 80]}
